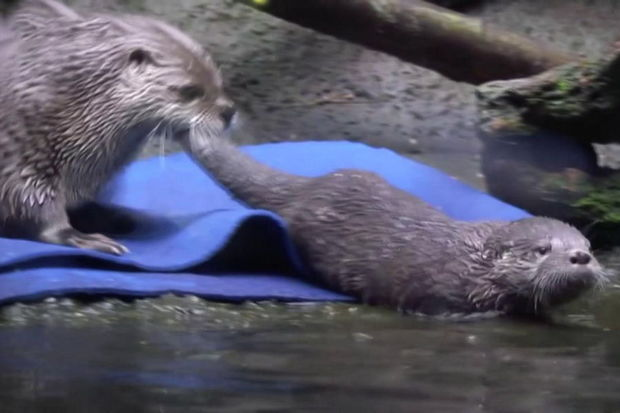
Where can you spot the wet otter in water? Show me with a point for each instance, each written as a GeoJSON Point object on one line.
{"type": "Point", "coordinates": [366, 238]}
{"type": "Point", "coordinates": [79, 95]}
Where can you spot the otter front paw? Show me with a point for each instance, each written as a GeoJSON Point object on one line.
{"type": "Point", "coordinates": [75, 238]}
{"type": "Point", "coordinates": [97, 242]}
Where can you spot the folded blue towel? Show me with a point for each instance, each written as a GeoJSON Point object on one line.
{"type": "Point", "coordinates": [187, 223]}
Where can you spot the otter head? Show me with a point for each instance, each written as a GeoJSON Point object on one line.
{"type": "Point", "coordinates": [171, 79]}
{"type": "Point", "coordinates": [537, 263]}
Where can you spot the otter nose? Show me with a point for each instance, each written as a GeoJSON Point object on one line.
{"type": "Point", "coordinates": [227, 113]}
{"type": "Point", "coordinates": [580, 257]}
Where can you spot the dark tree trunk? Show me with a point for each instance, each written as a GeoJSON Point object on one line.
{"type": "Point", "coordinates": [460, 48]}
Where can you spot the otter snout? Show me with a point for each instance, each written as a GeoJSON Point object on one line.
{"type": "Point", "coordinates": [226, 110]}
{"type": "Point", "coordinates": [580, 257]}
{"type": "Point", "coordinates": [584, 265]}
{"type": "Point", "coordinates": [227, 114]}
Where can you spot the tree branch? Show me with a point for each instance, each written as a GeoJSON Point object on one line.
{"type": "Point", "coordinates": [458, 47]}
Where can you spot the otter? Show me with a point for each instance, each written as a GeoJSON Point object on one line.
{"type": "Point", "coordinates": [79, 95]}
{"type": "Point", "coordinates": [366, 238]}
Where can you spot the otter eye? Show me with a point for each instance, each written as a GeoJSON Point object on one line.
{"type": "Point", "coordinates": [191, 92]}
{"type": "Point", "coordinates": [543, 249]}
{"type": "Point", "coordinates": [140, 56]}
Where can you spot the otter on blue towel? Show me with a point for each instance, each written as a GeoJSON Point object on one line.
{"type": "Point", "coordinates": [190, 237]}
{"type": "Point", "coordinates": [368, 238]}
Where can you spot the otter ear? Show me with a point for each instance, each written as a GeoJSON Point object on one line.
{"type": "Point", "coordinates": [140, 57]}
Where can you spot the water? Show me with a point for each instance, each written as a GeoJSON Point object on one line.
{"type": "Point", "coordinates": [182, 354]}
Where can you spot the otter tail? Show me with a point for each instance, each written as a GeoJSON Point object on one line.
{"type": "Point", "coordinates": [252, 182]}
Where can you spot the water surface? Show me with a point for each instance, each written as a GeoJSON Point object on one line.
{"type": "Point", "coordinates": [183, 354]}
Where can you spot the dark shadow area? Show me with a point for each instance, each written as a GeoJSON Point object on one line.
{"type": "Point", "coordinates": [258, 245]}
{"type": "Point", "coordinates": [459, 5]}
{"type": "Point", "coordinates": [514, 166]}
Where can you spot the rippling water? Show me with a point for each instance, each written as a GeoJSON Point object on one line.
{"type": "Point", "coordinates": [178, 354]}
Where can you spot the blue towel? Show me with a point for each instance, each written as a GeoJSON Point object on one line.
{"type": "Point", "coordinates": [187, 222]}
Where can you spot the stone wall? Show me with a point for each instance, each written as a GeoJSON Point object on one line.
{"type": "Point", "coordinates": [294, 84]}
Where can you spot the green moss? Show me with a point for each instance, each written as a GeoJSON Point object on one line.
{"type": "Point", "coordinates": [602, 203]}
{"type": "Point", "coordinates": [563, 85]}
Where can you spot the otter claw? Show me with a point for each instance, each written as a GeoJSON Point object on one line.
{"type": "Point", "coordinates": [97, 242]}
{"type": "Point", "coordinates": [75, 238]}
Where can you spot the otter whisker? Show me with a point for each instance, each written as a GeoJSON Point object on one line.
{"type": "Point", "coordinates": [163, 137]}
{"type": "Point", "coordinates": [538, 297]}
{"type": "Point", "coordinates": [545, 283]}
{"type": "Point", "coordinates": [155, 131]}
{"type": "Point", "coordinates": [603, 279]}
{"type": "Point", "coordinates": [202, 132]}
